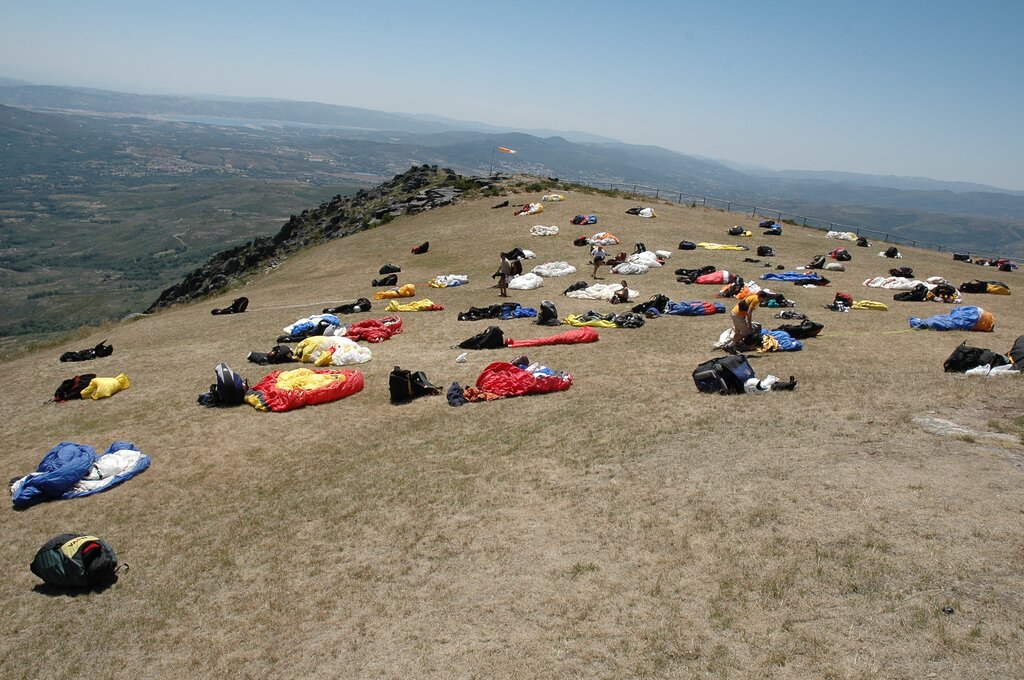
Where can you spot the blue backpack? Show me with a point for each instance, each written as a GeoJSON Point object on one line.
{"type": "Point", "coordinates": [231, 387]}
{"type": "Point", "coordinates": [229, 390]}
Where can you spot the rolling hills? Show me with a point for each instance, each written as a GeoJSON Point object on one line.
{"type": "Point", "coordinates": [106, 198]}
{"type": "Point", "coordinates": [628, 527]}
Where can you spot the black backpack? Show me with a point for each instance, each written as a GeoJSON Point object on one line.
{"type": "Point", "coordinates": [548, 314]}
{"type": "Point", "coordinates": [919, 293]}
{"type": "Point", "coordinates": [842, 255]}
{"type": "Point", "coordinates": [817, 263]}
{"type": "Point", "coordinates": [690, 275]}
{"type": "Point", "coordinates": [100, 350]}
{"type": "Point", "coordinates": [687, 245]}
{"type": "Point", "coordinates": [640, 247]}
{"type": "Point", "coordinates": [421, 248]}
{"type": "Point", "coordinates": [961, 257]}
{"type": "Point", "coordinates": [735, 231]}
{"type": "Point", "coordinates": [491, 338]}
{"type": "Point", "coordinates": [974, 286]}
{"type": "Point", "coordinates": [659, 302]}
{"type": "Point", "coordinates": [72, 387]}
{"type": "Point", "coordinates": [628, 320]}
{"type": "Point", "coordinates": [765, 251]}
{"type": "Point", "coordinates": [280, 354]}
{"type": "Point", "coordinates": [407, 385]}
{"type": "Point", "coordinates": [579, 285]}
{"type": "Point", "coordinates": [389, 269]}
{"type": "Point", "coordinates": [580, 240]}
{"type": "Point", "coordinates": [384, 281]}
{"type": "Point", "coordinates": [236, 307]}
{"type": "Point", "coordinates": [477, 313]}
{"type": "Point", "coordinates": [904, 272]}
{"type": "Point", "coordinates": [964, 358]}
{"type": "Point", "coordinates": [1017, 353]}
{"type": "Point", "coordinates": [360, 305]}
{"type": "Point", "coordinates": [724, 375]}
{"type": "Point", "coordinates": [805, 329]}
{"type": "Point", "coordinates": [892, 251]}
{"type": "Point", "coordinates": [75, 561]}
{"type": "Point", "coordinates": [862, 242]}
{"type": "Point", "coordinates": [733, 289]}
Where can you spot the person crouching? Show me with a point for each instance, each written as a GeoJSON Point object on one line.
{"type": "Point", "coordinates": [743, 317]}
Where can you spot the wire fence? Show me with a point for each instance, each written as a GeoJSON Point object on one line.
{"type": "Point", "coordinates": [778, 215]}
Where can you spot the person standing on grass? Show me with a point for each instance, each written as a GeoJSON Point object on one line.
{"type": "Point", "coordinates": [504, 269]}
{"type": "Point", "coordinates": [597, 254]}
{"type": "Point", "coordinates": [743, 317]}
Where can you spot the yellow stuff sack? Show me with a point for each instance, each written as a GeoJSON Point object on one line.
{"type": "Point", "coordinates": [101, 388]}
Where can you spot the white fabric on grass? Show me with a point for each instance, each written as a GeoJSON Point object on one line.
{"type": "Point", "coordinates": [541, 230]}
{"type": "Point", "coordinates": [600, 291]}
{"type": "Point", "coordinates": [527, 281]}
{"type": "Point", "coordinates": [554, 269]}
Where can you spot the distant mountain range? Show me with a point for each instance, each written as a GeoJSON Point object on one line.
{"type": "Point", "coordinates": [886, 181]}
{"type": "Point", "coordinates": [342, 139]}
{"type": "Point", "coordinates": [266, 111]}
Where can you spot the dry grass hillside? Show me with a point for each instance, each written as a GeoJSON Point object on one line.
{"type": "Point", "coordinates": [629, 527]}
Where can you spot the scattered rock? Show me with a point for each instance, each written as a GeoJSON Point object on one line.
{"type": "Point", "coordinates": [947, 428]}
{"type": "Point", "coordinates": [419, 189]}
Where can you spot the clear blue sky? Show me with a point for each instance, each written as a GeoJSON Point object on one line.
{"type": "Point", "coordinates": [904, 87]}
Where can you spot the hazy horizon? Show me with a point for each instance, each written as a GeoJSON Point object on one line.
{"type": "Point", "coordinates": [910, 89]}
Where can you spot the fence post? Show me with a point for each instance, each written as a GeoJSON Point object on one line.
{"type": "Point", "coordinates": [753, 213]}
{"type": "Point", "coordinates": [703, 201]}
{"type": "Point", "coordinates": [780, 217]}
{"type": "Point", "coordinates": [805, 222]}
{"type": "Point", "coordinates": [728, 206]}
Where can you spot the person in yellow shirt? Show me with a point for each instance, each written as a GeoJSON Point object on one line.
{"type": "Point", "coordinates": [743, 317]}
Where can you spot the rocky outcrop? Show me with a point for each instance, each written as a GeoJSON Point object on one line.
{"type": "Point", "coordinates": [419, 189]}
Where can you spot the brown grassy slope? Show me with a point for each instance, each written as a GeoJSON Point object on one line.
{"type": "Point", "coordinates": [629, 527]}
